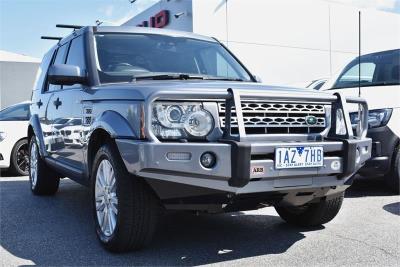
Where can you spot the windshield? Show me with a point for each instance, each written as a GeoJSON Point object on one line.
{"type": "Point", "coordinates": [376, 70]}
{"type": "Point", "coordinates": [121, 57]}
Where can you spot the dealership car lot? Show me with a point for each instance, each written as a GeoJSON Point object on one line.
{"type": "Point", "coordinates": [58, 231]}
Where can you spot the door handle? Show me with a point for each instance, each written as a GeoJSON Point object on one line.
{"type": "Point", "coordinates": [57, 102]}
{"type": "Point", "coordinates": [39, 103]}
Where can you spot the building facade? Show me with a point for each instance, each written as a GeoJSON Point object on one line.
{"type": "Point", "coordinates": [17, 75]}
{"type": "Point", "coordinates": [287, 42]}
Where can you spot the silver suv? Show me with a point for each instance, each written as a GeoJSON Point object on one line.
{"type": "Point", "coordinates": [173, 120]}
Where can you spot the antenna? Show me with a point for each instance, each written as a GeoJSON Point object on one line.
{"type": "Point", "coordinates": [359, 53]}
{"type": "Point", "coordinates": [66, 26]}
{"type": "Point", "coordinates": [51, 38]}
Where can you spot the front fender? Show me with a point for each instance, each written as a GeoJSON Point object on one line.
{"type": "Point", "coordinates": [115, 124]}
{"type": "Point", "coordinates": [37, 130]}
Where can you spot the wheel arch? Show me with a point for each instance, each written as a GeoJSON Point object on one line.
{"type": "Point", "coordinates": [98, 137]}
{"type": "Point", "coordinates": [35, 129]}
{"type": "Point", "coordinates": [107, 127]}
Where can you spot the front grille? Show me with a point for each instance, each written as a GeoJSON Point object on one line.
{"type": "Point", "coordinates": [277, 118]}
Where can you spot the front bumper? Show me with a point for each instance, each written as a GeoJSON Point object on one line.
{"type": "Point", "coordinates": [238, 154]}
{"type": "Point", "coordinates": [232, 173]}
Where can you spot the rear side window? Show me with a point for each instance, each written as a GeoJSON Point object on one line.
{"type": "Point", "coordinates": [15, 113]}
{"type": "Point", "coordinates": [59, 59]}
{"type": "Point", "coordinates": [76, 56]}
{"type": "Point", "coordinates": [377, 69]}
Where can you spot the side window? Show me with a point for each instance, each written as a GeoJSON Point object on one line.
{"type": "Point", "coordinates": [76, 56]}
{"type": "Point", "coordinates": [350, 77]}
{"type": "Point", "coordinates": [59, 59]}
{"type": "Point", "coordinates": [16, 113]}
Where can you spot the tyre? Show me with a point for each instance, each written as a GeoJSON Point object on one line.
{"type": "Point", "coordinates": [312, 214]}
{"type": "Point", "coordinates": [43, 180]}
{"type": "Point", "coordinates": [125, 210]}
{"type": "Point", "coordinates": [392, 180]}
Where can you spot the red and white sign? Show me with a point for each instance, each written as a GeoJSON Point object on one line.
{"type": "Point", "coordinates": [159, 20]}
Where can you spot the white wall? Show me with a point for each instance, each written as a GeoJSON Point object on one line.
{"type": "Point", "coordinates": [16, 82]}
{"type": "Point", "coordinates": [287, 42]}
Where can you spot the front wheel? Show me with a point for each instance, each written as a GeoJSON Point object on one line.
{"type": "Point", "coordinates": [313, 214]}
{"type": "Point", "coordinates": [124, 208]}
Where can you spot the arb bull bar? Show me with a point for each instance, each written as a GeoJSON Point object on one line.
{"type": "Point", "coordinates": [356, 147]}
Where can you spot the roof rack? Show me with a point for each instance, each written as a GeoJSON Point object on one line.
{"type": "Point", "coordinates": [51, 38]}
{"type": "Point", "coordinates": [75, 27]}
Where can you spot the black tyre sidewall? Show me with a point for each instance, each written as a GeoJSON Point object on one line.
{"type": "Point", "coordinates": [314, 214]}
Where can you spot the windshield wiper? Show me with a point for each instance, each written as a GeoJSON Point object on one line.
{"type": "Point", "coordinates": [223, 79]}
{"type": "Point", "coordinates": [168, 76]}
{"type": "Point", "coordinates": [182, 76]}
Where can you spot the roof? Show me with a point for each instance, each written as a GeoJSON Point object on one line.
{"type": "Point", "coordinates": [148, 30]}
{"type": "Point", "coordinates": [6, 56]}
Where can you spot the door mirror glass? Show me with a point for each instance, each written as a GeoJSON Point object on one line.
{"type": "Point", "coordinates": [62, 74]}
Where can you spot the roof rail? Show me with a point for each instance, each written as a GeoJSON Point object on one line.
{"type": "Point", "coordinates": [51, 38]}
{"type": "Point", "coordinates": [75, 27]}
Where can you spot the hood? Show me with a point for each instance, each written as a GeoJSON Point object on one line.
{"type": "Point", "coordinates": [141, 90]}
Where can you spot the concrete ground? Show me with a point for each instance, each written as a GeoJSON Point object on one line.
{"type": "Point", "coordinates": [59, 231]}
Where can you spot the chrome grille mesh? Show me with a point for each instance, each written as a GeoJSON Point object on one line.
{"type": "Point", "coordinates": [267, 117]}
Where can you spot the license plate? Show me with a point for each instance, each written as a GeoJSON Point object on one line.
{"type": "Point", "coordinates": [299, 157]}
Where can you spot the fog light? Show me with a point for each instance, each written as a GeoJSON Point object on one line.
{"type": "Point", "coordinates": [179, 155]}
{"type": "Point", "coordinates": [358, 155]}
{"type": "Point", "coordinates": [208, 159]}
{"type": "Point", "coordinates": [335, 165]}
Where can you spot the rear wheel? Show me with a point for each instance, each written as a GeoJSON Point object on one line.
{"type": "Point", "coordinates": [393, 178]}
{"type": "Point", "coordinates": [124, 208]}
{"type": "Point", "coordinates": [312, 214]}
{"type": "Point", "coordinates": [43, 180]}
{"type": "Point", "coordinates": [20, 158]}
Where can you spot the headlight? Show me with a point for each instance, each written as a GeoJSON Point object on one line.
{"type": "Point", "coordinates": [181, 120]}
{"type": "Point", "coordinates": [2, 136]}
{"type": "Point", "coordinates": [340, 122]}
{"type": "Point", "coordinates": [376, 117]}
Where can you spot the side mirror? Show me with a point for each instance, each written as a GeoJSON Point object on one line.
{"type": "Point", "coordinates": [257, 78]}
{"type": "Point", "coordinates": [62, 74]}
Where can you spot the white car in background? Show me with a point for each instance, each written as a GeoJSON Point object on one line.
{"type": "Point", "coordinates": [380, 86]}
{"type": "Point", "coordinates": [13, 143]}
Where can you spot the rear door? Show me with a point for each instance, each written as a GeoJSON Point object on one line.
{"type": "Point", "coordinates": [53, 139]}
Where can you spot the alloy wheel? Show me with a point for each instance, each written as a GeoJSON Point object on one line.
{"type": "Point", "coordinates": [22, 158]}
{"type": "Point", "coordinates": [106, 201]}
{"type": "Point", "coordinates": [33, 164]}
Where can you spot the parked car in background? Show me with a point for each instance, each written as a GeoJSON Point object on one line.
{"type": "Point", "coordinates": [317, 84]}
{"type": "Point", "coordinates": [380, 86]}
{"type": "Point", "coordinates": [13, 141]}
